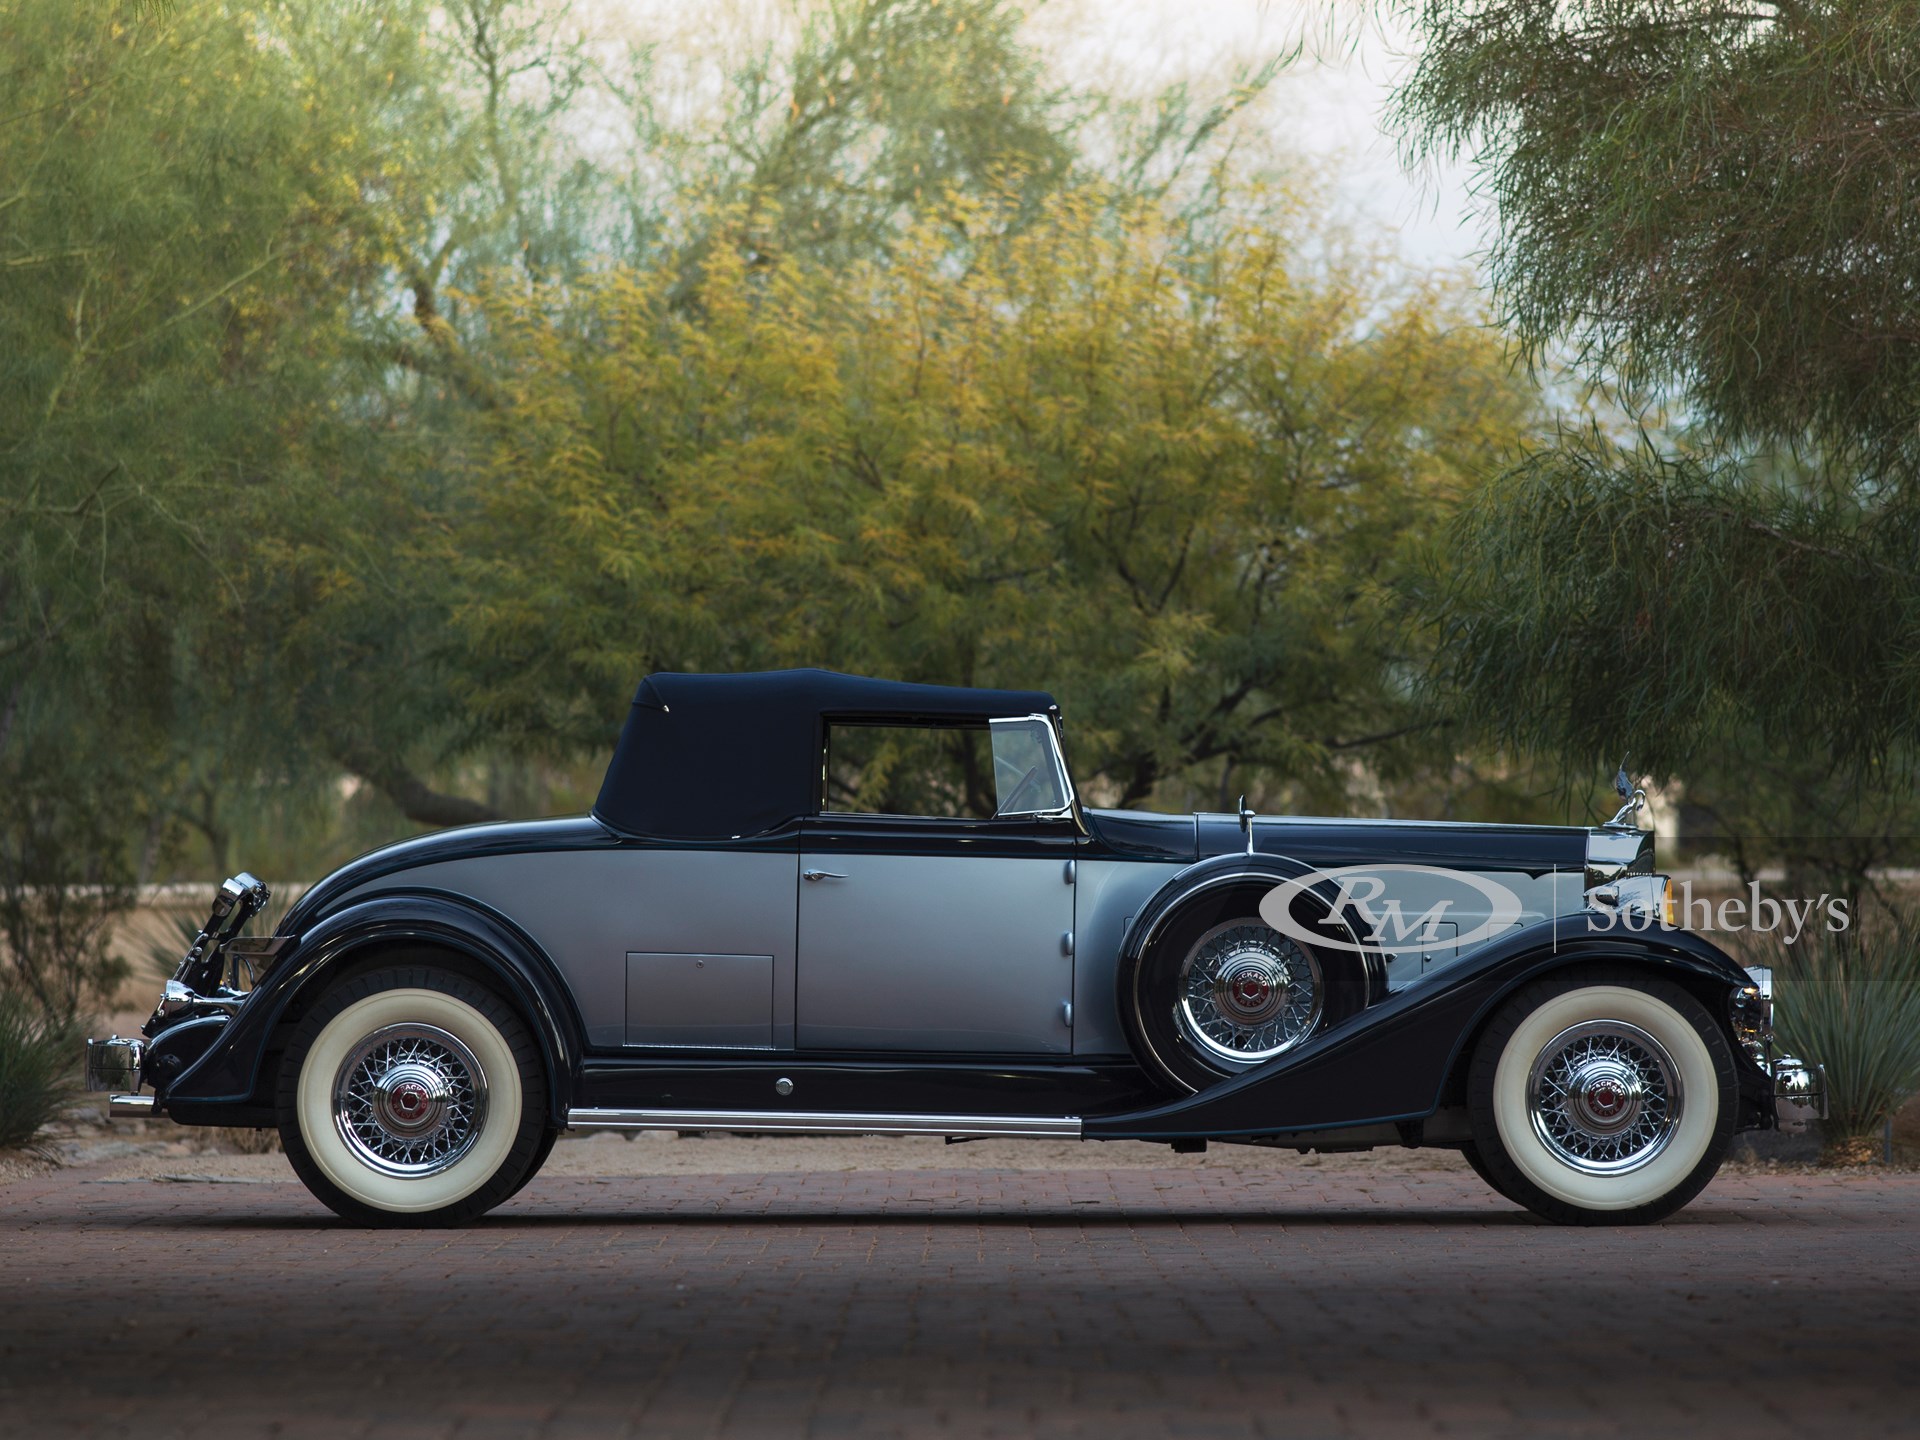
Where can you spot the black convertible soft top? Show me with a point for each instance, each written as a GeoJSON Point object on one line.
{"type": "Point", "coordinates": [718, 757]}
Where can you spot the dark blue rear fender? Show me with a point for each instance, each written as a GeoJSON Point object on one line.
{"type": "Point", "coordinates": [1393, 1060]}
{"type": "Point", "coordinates": [230, 1077]}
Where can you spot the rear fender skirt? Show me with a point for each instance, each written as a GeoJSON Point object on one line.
{"type": "Point", "coordinates": [1392, 1061]}
{"type": "Point", "coordinates": [230, 1073]}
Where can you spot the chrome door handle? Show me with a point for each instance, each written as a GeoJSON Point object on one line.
{"type": "Point", "coordinates": [821, 875]}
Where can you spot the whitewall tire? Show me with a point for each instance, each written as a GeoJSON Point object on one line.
{"type": "Point", "coordinates": [412, 1096]}
{"type": "Point", "coordinates": [1602, 1098]}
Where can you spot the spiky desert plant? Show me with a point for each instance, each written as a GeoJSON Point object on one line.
{"type": "Point", "coordinates": [37, 1065]}
{"type": "Point", "coordinates": [1851, 1001]}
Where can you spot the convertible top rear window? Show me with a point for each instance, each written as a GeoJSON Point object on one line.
{"type": "Point", "coordinates": [719, 757]}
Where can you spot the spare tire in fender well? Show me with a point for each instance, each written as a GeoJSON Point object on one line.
{"type": "Point", "coordinates": [1353, 978]}
{"type": "Point", "coordinates": [231, 1073]}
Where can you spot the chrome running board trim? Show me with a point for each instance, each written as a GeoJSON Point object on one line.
{"type": "Point", "coordinates": [773, 1122]}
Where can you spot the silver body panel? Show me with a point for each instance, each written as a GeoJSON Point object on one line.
{"type": "Point", "coordinates": [936, 953]}
{"type": "Point", "coordinates": [711, 1001]}
{"type": "Point", "coordinates": [1108, 895]}
{"type": "Point", "coordinates": [590, 909]}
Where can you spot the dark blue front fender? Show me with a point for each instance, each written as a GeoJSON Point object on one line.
{"type": "Point", "coordinates": [1393, 1060]}
{"type": "Point", "coordinates": [229, 1077]}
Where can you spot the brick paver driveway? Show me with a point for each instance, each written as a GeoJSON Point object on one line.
{"type": "Point", "coordinates": [1097, 1303]}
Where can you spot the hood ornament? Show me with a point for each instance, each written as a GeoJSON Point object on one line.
{"type": "Point", "coordinates": [1633, 799]}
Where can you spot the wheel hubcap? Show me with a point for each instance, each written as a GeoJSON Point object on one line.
{"type": "Point", "coordinates": [1604, 1097]}
{"type": "Point", "coordinates": [410, 1100]}
{"type": "Point", "coordinates": [1247, 993]}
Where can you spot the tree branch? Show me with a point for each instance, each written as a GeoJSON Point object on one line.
{"type": "Point", "coordinates": [415, 798]}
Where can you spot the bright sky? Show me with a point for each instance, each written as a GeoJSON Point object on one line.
{"type": "Point", "coordinates": [1328, 107]}
{"type": "Point", "coordinates": [1332, 102]}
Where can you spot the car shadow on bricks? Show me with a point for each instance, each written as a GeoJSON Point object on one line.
{"type": "Point", "coordinates": [1077, 1218]}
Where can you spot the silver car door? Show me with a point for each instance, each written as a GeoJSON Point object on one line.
{"type": "Point", "coordinates": [935, 935]}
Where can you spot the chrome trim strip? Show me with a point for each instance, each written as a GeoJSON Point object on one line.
{"type": "Point", "coordinates": [130, 1107]}
{"type": "Point", "coordinates": [818, 1122]}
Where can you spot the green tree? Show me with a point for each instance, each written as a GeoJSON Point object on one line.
{"type": "Point", "coordinates": [167, 210]}
{"type": "Point", "coordinates": [1165, 472]}
{"type": "Point", "coordinates": [233, 381]}
{"type": "Point", "coordinates": [1715, 202]}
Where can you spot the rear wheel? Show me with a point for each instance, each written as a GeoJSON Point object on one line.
{"type": "Point", "coordinates": [1602, 1099]}
{"type": "Point", "coordinates": [412, 1096]}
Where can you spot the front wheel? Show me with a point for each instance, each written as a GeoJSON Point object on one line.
{"type": "Point", "coordinates": [1602, 1099]}
{"type": "Point", "coordinates": [412, 1096]}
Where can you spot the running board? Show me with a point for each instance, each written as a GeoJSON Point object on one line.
{"type": "Point", "coordinates": [775, 1122]}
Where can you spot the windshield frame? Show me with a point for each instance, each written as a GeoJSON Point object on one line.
{"type": "Point", "coordinates": [1065, 810]}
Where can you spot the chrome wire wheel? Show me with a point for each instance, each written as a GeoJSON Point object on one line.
{"type": "Point", "coordinates": [409, 1100]}
{"type": "Point", "coordinates": [1604, 1097]}
{"type": "Point", "coordinates": [1247, 993]}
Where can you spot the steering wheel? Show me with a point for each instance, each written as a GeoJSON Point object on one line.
{"type": "Point", "coordinates": [1010, 805]}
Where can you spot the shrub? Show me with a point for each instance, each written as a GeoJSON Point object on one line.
{"type": "Point", "coordinates": [63, 884]}
{"type": "Point", "coordinates": [37, 1069]}
{"type": "Point", "coordinates": [1851, 1001]}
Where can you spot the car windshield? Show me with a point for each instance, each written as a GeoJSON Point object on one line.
{"type": "Point", "coordinates": [1027, 778]}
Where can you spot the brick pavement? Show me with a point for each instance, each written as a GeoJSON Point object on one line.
{"type": "Point", "coordinates": [1193, 1303]}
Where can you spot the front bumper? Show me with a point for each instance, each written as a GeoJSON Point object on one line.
{"type": "Point", "coordinates": [196, 1003]}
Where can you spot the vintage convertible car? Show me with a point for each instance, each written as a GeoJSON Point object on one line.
{"type": "Point", "coordinates": [813, 902]}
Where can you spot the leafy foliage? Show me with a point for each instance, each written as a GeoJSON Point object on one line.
{"type": "Point", "coordinates": [1672, 600]}
{"type": "Point", "coordinates": [60, 888]}
{"type": "Point", "coordinates": [1162, 476]}
{"type": "Point", "coordinates": [1713, 205]}
{"type": "Point", "coordinates": [833, 148]}
{"type": "Point", "coordinates": [1714, 195]}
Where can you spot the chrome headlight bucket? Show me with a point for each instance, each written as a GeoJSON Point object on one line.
{"type": "Point", "coordinates": [1799, 1086]}
{"type": "Point", "coordinates": [114, 1063]}
{"type": "Point", "coordinates": [1750, 1009]}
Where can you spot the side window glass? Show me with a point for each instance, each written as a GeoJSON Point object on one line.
{"type": "Point", "coordinates": [946, 772]}
{"type": "Point", "coordinates": [1027, 779]}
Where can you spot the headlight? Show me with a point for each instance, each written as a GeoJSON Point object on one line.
{"type": "Point", "coordinates": [1750, 1009]}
